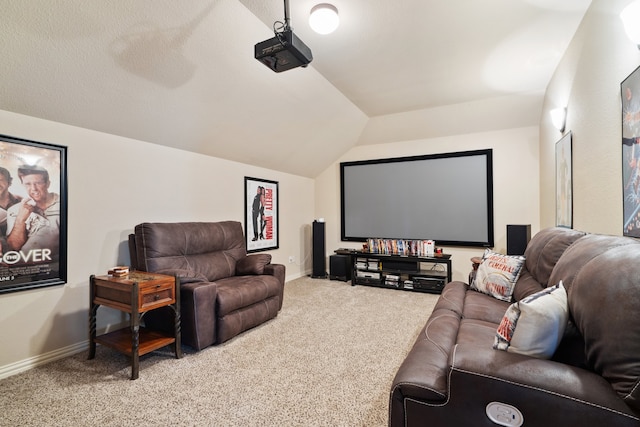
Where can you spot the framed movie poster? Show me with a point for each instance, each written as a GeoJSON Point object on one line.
{"type": "Point", "coordinates": [33, 214]}
{"type": "Point", "coordinates": [630, 91]}
{"type": "Point", "coordinates": [261, 214]}
{"type": "Point", "coordinates": [564, 183]}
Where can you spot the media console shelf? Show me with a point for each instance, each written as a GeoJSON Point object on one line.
{"type": "Point", "coordinates": [412, 273]}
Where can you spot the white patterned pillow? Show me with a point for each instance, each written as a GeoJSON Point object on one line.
{"type": "Point", "coordinates": [497, 274]}
{"type": "Point", "coordinates": [534, 325]}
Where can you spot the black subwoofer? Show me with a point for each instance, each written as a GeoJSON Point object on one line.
{"type": "Point", "coordinates": [340, 267]}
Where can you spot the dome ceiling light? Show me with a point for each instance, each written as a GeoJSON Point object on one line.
{"type": "Point", "coordinates": [324, 18]}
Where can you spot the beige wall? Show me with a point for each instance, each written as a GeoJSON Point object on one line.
{"type": "Point", "coordinates": [515, 167]}
{"type": "Point", "coordinates": [587, 81]}
{"type": "Point", "coordinates": [114, 184]}
{"type": "Point", "coordinates": [154, 183]}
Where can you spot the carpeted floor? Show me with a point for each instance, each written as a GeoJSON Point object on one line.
{"type": "Point", "coordinates": [328, 359]}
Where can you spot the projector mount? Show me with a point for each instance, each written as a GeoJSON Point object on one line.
{"type": "Point", "coordinates": [285, 51]}
{"type": "Point", "coordinates": [286, 26]}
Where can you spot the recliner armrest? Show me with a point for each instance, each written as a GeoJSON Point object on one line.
{"type": "Point", "coordinates": [252, 264]}
{"type": "Point", "coordinates": [278, 271]}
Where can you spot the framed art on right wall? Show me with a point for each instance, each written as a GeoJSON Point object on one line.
{"type": "Point", "coordinates": [564, 183]}
{"type": "Point", "coordinates": [630, 95]}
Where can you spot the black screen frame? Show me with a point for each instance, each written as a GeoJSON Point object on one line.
{"type": "Point", "coordinates": [488, 157]}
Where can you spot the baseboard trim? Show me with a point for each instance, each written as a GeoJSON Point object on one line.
{"type": "Point", "coordinates": [42, 359]}
{"type": "Point", "coordinates": [296, 276]}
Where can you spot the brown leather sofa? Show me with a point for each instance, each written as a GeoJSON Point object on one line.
{"type": "Point", "coordinates": [452, 375]}
{"type": "Point", "coordinates": [223, 290]}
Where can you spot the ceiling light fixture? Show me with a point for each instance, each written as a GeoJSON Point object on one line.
{"type": "Point", "coordinates": [630, 17]}
{"type": "Point", "coordinates": [324, 18]}
{"type": "Point", "coordinates": [559, 118]}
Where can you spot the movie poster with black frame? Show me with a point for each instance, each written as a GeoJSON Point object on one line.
{"type": "Point", "coordinates": [564, 182]}
{"type": "Point", "coordinates": [33, 214]}
{"type": "Point", "coordinates": [261, 214]}
{"type": "Point", "coordinates": [630, 97]}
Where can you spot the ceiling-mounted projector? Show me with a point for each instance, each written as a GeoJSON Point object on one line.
{"type": "Point", "coordinates": [284, 51]}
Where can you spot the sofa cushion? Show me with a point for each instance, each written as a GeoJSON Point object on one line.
{"type": "Point", "coordinates": [526, 285]}
{"type": "Point", "coordinates": [242, 291]}
{"type": "Point", "coordinates": [479, 306]}
{"type": "Point", "coordinates": [542, 254]}
{"type": "Point", "coordinates": [252, 264]}
{"type": "Point", "coordinates": [534, 326]}
{"type": "Point", "coordinates": [497, 274]}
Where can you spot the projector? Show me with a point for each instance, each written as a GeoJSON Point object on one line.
{"type": "Point", "coordinates": [283, 52]}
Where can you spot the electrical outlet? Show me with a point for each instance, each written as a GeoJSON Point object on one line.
{"type": "Point", "coordinates": [292, 259]}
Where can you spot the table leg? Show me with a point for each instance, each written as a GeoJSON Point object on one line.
{"type": "Point", "coordinates": [93, 309]}
{"type": "Point", "coordinates": [92, 330]}
{"type": "Point", "coordinates": [177, 324]}
{"type": "Point", "coordinates": [135, 333]}
{"type": "Point", "coordinates": [135, 347]}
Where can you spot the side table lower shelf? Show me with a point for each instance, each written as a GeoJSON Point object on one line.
{"type": "Point", "coordinates": [149, 341]}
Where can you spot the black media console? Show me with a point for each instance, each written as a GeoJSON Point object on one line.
{"type": "Point", "coordinates": [411, 273]}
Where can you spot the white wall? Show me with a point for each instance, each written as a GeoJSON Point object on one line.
{"type": "Point", "coordinates": [587, 81]}
{"type": "Point", "coordinates": [515, 175]}
{"type": "Point", "coordinates": [114, 184]}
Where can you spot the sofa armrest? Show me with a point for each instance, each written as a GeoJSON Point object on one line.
{"type": "Point", "coordinates": [533, 386]}
{"type": "Point", "coordinates": [252, 264]}
{"type": "Point", "coordinates": [198, 305]}
{"type": "Point", "coordinates": [278, 271]}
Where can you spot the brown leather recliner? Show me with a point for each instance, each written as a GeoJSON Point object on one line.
{"type": "Point", "coordinates": [223, 290]}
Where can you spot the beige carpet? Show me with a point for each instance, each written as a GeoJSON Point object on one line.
{"type": "Point", "coordinates": [328, 359]}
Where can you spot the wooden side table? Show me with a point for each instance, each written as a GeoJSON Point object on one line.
{"type": "Point", "coordinates": [475, 263]}
{"type": "Point", "coordinates": [136, 293]}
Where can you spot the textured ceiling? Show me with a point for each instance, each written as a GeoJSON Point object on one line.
{"type": "Point", "coordinates": [182, 74]}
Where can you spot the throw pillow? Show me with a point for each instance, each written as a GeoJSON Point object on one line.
{"type": "Point", "coordinates": [497, 274]}
{"type": "Point", "coordinates": [534, 326]}
{"type": "Point", "coordinates": [252, 264]}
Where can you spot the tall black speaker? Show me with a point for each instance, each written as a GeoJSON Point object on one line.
{"type": "Point", "coordinates": [318, 252]}
{"type": "Point", "coordinates": [518, 237]}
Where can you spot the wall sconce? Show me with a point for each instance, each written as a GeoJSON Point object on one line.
{"type": "Point", "coordinates": [630, 17]}
{"type": "Point", "coordinates": [324, 18]}
{"type": "Point", "coordinates": [559, 118]}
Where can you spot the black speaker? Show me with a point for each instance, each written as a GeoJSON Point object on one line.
{"type": "Point", "coordinates": [340, 267]}
{"type": "Point", "coordinates": [319, 270]}
{"type": "Point", "coordinates": [518, 237]}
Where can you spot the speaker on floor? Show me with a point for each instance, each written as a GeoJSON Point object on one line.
{"type": "Point", "coordinates": [518, 237]}
{"type": "Point", "coordinates": [340, 267]}
{"type": "Point", "coordinates": [319, 270]}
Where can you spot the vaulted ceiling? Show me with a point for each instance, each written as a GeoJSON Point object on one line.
{"type": "Point", "coordinates": [182, 74]}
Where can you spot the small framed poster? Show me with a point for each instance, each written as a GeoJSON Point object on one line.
{"type": "Point", "coordinates": [564, 183]}
{"type": "Point", "coordinates": [33, 214]}
{"type": "Point", "coordinates": [261, 214]}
